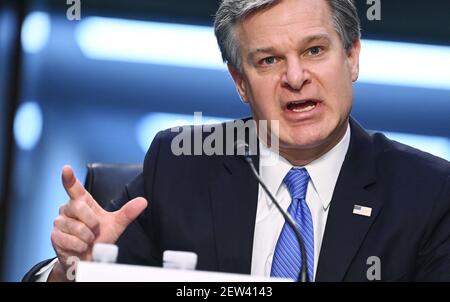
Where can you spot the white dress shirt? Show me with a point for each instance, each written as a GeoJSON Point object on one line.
{"type": "Point", "coordinates": [323, 173]}
{"type": "Point", "coordinates": [43, 274]}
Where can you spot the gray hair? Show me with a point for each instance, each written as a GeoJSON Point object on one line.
{"type": "Point", "coordinates": [231, 12]}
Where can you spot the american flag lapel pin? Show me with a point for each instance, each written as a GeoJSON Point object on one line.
{"type": "Point", "coordinates": [363, 211]}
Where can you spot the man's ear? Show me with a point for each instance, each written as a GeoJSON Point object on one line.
{"type": "Point", "coordinates": [239, 81]}
{"type": "Point", "coordinates": [353, 59]}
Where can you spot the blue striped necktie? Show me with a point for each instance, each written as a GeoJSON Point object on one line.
{"type": "Point", "coordinates": [287, 256]}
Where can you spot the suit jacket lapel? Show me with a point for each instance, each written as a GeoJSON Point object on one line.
{"type": "Point", "coordinates": [234, 195]}
{"type": "Point", "coordinates": [345, 231]}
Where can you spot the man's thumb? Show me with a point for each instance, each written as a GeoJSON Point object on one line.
{"type": "Point", "coordinates": [130, 211]}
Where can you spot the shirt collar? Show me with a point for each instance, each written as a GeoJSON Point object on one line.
{"type": "Point", "coordinates": [323, 171]}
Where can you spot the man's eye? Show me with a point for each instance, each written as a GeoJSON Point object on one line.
{"type": "Point", "coordinates": [268, 61]}
{"type": "Point", "coordinates": [315, 51]}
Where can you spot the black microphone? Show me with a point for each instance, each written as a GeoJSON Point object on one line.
{"type": "Point", "coordinates": [303, 276]}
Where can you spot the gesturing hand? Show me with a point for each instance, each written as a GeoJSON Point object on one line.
{"type": "Point", "coordinates": [82, 222]}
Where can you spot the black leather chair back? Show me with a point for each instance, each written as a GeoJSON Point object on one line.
{"type": "Point", "coordinates": [106, 182]}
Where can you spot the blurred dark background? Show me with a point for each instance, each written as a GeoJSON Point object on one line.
{"type": "Point", "coordinates": [98, 89]}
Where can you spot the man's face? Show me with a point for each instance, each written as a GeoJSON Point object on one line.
{"type": "Point", "coordinates": [296, 71]}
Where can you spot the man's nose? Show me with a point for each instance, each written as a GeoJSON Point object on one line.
{"type": "Point", "coordinates": [295, 75]}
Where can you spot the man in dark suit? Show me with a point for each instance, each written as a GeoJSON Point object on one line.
{"type": "Point", "coordinates": [367, 207]}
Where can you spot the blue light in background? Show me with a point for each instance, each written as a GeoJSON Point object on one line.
{"type": "Point", "coordinates": [151, 124]}
{"type": "Point", "coordinates": [148, 42]}
{"type": "Point", "coordinates": [35, 32]}
{"type": "Point", "coordinates": [405, 64]}
{"type": "Point", "coordinates": [28, 125]}
{"type": "Point", "coordinates": [387, 63]}
{"type": "Point", "coordinates": [438, 146]}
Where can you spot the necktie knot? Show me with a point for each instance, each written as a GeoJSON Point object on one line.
{"type": "Point", "coordinates": [296, 181]}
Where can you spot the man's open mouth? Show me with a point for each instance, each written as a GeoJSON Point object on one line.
{"type": "Point", "coordinates": [301, 106]}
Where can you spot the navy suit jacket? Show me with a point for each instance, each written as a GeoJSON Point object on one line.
{"type": "Point", "coordinates": [207, 204]}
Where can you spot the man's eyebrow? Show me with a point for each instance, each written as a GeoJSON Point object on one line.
{"type": "Point", "coordinates": [252, 53]}
{"type": "Point", "coordinates": [317, 37]}
{"type": "Point", "coordinates": [306, 40]}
